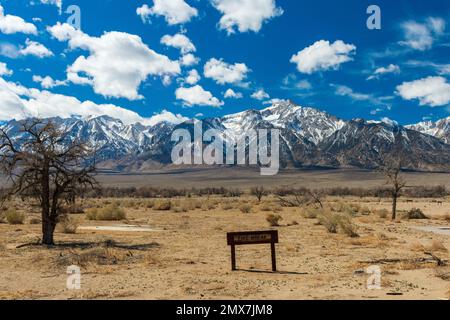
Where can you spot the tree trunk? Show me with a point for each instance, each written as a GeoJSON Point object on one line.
{"type": "Point", "coordinates": [394, 206]}
{"type": "Point", "coordinates": [48, 229]}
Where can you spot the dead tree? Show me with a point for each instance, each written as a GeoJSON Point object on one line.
{"type": "Point", "coordinates": [44, 163]}
{"type": "Point", "coordinates": [259, 192]}
{"type": "Point", "coordinates": [302, 198]}
{"type": "Point", "coordinates": [392, 170]}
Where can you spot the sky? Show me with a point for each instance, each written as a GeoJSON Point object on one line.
{"type": "Point", "coordinates": [153, 60]}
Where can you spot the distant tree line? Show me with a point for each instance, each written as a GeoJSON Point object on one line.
{"type": "Point", "coordinates": [159, 192]}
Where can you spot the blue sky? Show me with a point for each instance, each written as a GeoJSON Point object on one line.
{"type": "Point", "coordinates": [317, 53]}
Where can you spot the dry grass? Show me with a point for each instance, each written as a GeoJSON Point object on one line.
{"type": "Point", "coordinates": [111, 212]}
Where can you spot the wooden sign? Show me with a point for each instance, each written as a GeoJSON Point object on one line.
{"type": "Point", "coordinates": [248, 238]}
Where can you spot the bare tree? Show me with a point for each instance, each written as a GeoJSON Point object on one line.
{"type": "Point", "coordinates": [258, 192]}
{"type": "Point", "coordinates": [44, 163]}
{"type": "Point", "coordinates": [302, 198]}
{"type": "Point", "coordinates": [392, 171]}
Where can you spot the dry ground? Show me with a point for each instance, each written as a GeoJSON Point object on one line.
{"type": "Point", "coordinates": [186, 257]}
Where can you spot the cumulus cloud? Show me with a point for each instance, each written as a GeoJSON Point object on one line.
{"type": "Point", "coordinates": [421, 36]}
{"type": "Point", "coordinates": [322, 56]}
{"type": "Point", "coordinates": [174, 11]}
{"type": "Point", "coordinates": [188, 60]}
{"type": "Point", "coordinates": [36, 49]}
{"type": "Point", "coordinates": [48, 82]}
{"type": "Point", "coordinates": [231, 94]}
{"type": "Point", "coordinates": [260, 95]}
{"type": "Point", "coordinates": [193, 77]}
{"type": "Point", "coordinates": [19, 102]}
{"type": "Point", "coordinates": [431, 91]}
{"type": "Point", "coordinates": [224, 73]}
{"type": "Point", "coordinates": [179, 41]}
{"type": "Point", "coordinates": [197, 96]}
{"type": "Point", "coordinates": [118, 62]}
{"type": "Point", "coordinates": [245, 15]}
{"type": "Point", "coordinates": [10, 24]}
{"type": "Point", "coordinates": [392, 68]}
{"type": "Point", "coordinates": [4, 71]}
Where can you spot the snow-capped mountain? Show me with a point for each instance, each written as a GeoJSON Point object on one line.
{"type": "Point", "coordinates": [309, 137]}
{"type": "Point", "coordinates": [439, 129]}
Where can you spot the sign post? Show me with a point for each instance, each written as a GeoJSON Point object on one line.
{"type": "Point", "coordinates": [253, 237]}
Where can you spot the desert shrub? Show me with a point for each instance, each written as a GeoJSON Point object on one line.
{"type": "Point", "coordinates": [13, 216]}
{"type": "Point", "coordinates": [329, 220]}
{"type": "Point", "coordinates": [382, 213]}
{"type": "Point", "coordinates": [437, 246]}
{"type": "Point", "coordinates": [347, 226]}
{"type": "Point", "coordinates": [311, 213]}
{"type": "Point", "coordinates": [163, 205]}
{"type": "Point", "coordinates": [72, 209]}
{"type": "Point", "coordinates": [274, 219]}
{"type": "Point", "coordinates": [277, 208]}
{"type": "Point", "coordinates": [266, 207]}
{"type": "Point", "coordinates": [233, 193]}
{"type": "Point", "coordinates": [177, 209]}
{"type": "Point", "coordinates": [68, 225]}
{"type": "Point", "coordinates": [208, 205]}
{"type": "Point", "coordinates": [259, 192]}
{"type": "Point", "coordinates": [108, 213]}
{"type": "Point", "coordinates": [245, 208]}
{"type": "Point", "coordinates": [227, 206]}
{"type": "Point", "coordinates": [35, 221]}
{"type": "Point", "coordinates": [415, 213]}
{"type": "Point", "coordinates": [149, 204]}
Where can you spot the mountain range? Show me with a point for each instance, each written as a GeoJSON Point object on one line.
{"type": "Point", "coordinates": [309, 138]}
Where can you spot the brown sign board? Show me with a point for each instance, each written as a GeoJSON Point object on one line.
{"type": "Point", "coordinates": [252, 237]}
{"type": "Point", "coordinates": [257, 237]}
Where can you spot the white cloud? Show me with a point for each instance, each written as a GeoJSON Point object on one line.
{"type": "Point", "coordinates": [179, 41]}
{"type": "Point", "coordinates": [188, 60]}
{"type": "Point", "coordinates": [48, 82]}
{"type": "Point", "coordinates": [260, 95]}
{"type": "Point", "coordinates": [57, 3]}
{"type": "Point", "coordinates": [345, 91]}
{"type": "Point", "coordinates": [193, 77]}
{"type": "Point", "coordinates": [322, 56]}
{"type": "Point", "coordinates": [35, 49]}
{"type": "Point", "coordinates": [118, 62]}
{"type": "Point", "coordinates": [231, 94]}
{"type": "Point", "coordinates": [197, 96]}
{"type": "Point", "coordinates": [19, 102]}
{"type": "Point", "coordinates": [9, 50]}
{"type": "Point", "coordinates": [10, 24]}
{"type": "Point", "coordinates": [275, 101]}
{"type": "Point", "coordinates": [421, 36]}
{"type": "Point", "coordinates": [165, 116]}
{"type": "Point", "coordinates": [392, 68]}
{"type": "Point", "coordinates": [224, 73]}
{"type": "Point", "coordinates": [4, 71]}
{"type": "Point", "coordinates": [245, 15]}
{"type": "Point", "coordinates": [431, 91]}
{"type": "Point", "coordinates": [374, 100]}
{"type": "Point", "coordinates": [174, 11]}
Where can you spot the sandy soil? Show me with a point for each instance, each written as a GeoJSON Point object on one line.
{"type": "Point", "coordinates": [187, 257]}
